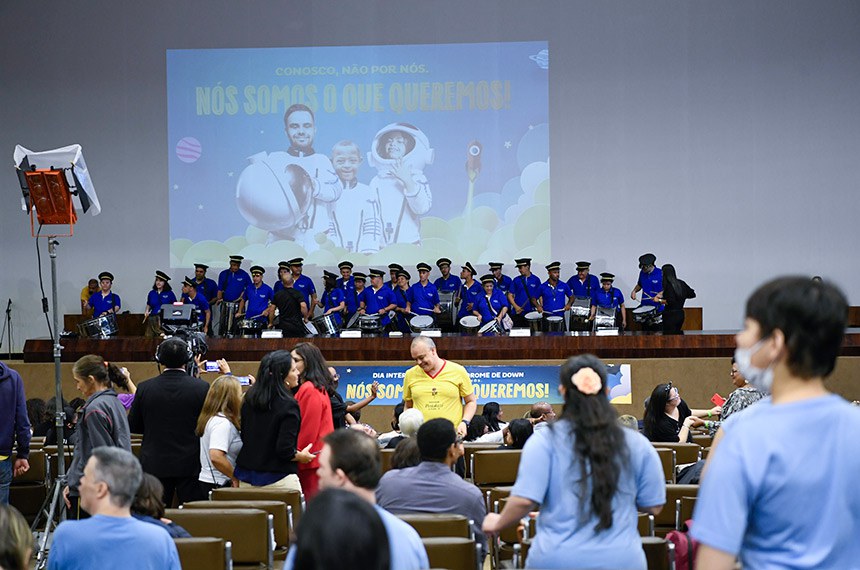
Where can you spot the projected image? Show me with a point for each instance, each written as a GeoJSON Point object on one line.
{"type": "Point", "coordinates": [372, 153]}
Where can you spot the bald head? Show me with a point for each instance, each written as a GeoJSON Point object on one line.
{"type": "Point", "coordinates": [542, 411]}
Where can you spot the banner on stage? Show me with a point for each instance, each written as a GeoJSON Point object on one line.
{"type": "Point", "coordinates": [517, 384]}
{"type": "Point", "coordinates": [388, 152]}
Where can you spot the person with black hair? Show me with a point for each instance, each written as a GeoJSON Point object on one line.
{"type": "Point", "coordinates": [313, 396]}
{"type": "Point", "coordinates": [668, 418]}
{"type": "Point", "coordinates": [432, 486]}
{"type": "Point", "coordinates": [270, 427]}
{"type": "Point", "coordinates": [493, 413]}
{"type": "Point", "coordinates": [149, 508]}
{"type": "Point", "coordinates": [161, 294]}
{"type": "Point", "coordinates": [517, 433]}
{"type": "Point", "coordinates": [477, 429]}
{"type": "Point", "coordinates": [589, 476]}
{"type": "Point", "coordinates": [165, 411]}
{"type": "Point", "coordinates": [102, 421]}
{"type": "Point", "coordinates": [675, 292]}
{"type": "Point", "coordinates": [332, 516]}
{"type": "Point", "coordinates": [384, 438]}
{"type": "Point", "coordinates": [406, 454]}
{"type": "Point", "coordinates": [37, 413]}
{"type": "Point", "coordinates": [780, 488]}
{"type": "Point", "coordinates": [350, 461]}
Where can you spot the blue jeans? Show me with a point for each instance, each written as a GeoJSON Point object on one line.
{"type": "Point", "coordinates": [5, 480]}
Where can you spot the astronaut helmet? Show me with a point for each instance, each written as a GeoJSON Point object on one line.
{"type": "Point", "coordinates": [400, 141]}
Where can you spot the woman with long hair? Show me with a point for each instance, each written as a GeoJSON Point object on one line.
{"type": "Point", "coordinates": [668, 418]}
{"type": "Point", "coordinates": [493, 413]}
{"type": "Point", "coordinates": [675, 293]}
{"type": "Point", "coordinates": [16, 540]}
{"type": "Point", "coordinates": [313, 396]}
{"type": "Point", "coordinates": [589, 476]}
{"type": "Point", "coordinates": [218, 430]}
{"type": "Point", "coordinates": [161, 294]}
{"type": "Point", "coordinates": [270, 420]}
{"type": "Point", "coordinates": [517, 433]}
{"type": "Point", "coordinates": [102, 420]}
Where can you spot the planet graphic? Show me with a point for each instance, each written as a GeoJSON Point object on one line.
{"type": "Point", "coordinates": [188, 149]}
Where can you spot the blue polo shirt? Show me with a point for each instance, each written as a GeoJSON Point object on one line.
{"type": "Point", "coordinates": [555, 298]}
{"type": "Point", "coordinates": [489, 309]}
{"type": "Point", "coordinates": [613, 299]}
{"type": "Point", "coordinates": [233, 284]}
{"type": "Point", "coordinates": [504, 284]}
{"type": "Point", "coordinates": [423, 298]}
{"type": "Point", "coordinates": [521, 297]}
{"type": "Point", "coordinates": [305, 286]}
{"type": "Point", "coordinates": [102, 304]}
{"type": "Point", "coordinates": [349, 294]}
{"type": "Point", "coordinates": [469, 295]}
{"type": "Point", "coordinates": [332, 299]}
{"type": "Point", "coordinates": [376, 300]}
{"type": "Point", "coordinates": [579, 289]}
{"type": "Point", "coordinates": [208, 288]}
{"type": "Point", "coordinates": [155, 299]}
{"type": "Point", "coordinates": [450, 285]}
{"type": "Point", "coordinates": [651, 283]}
{"type": "Point", "coordinates": [200, 302]}
{"type": "Point", "coordinates": [257, 299]}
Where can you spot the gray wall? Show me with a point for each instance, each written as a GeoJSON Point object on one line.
{"type": "Point", "coordinates": [723, 136]}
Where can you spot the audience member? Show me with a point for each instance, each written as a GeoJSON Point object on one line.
{"type": "Point", "coordinates": [478, 428]}
{"type": "Point", "coordinates": [338, 406]}
{"type": "Point", "coordinates": [102, 421]}
{"type": "Point", "coordinates": [218, 429]}
{"type": "Point", "coordinates": [350, 461]}
{"type": "Point", "coordinates": [588, 475]}
{"type": "Point", "coordinates": [149, 508]}
{"type": "Point", "coordinates": [315, 385]}
{"type": "Point", "coordinates": [741, 397]}
{"type": "Point", "coordinates": [270, 427]}
{"type": "Point", "coordinates": [629, 421]}
{"type": "Point", "coordinates": [780, 489]}
{"type": "Point", "coordinates": [333, 515]}
{"type": "Point", "coordinates": [517, 433]}
{"type": "Point", "coordinates": [432, 486]}
{"type": "Point", "coordinates": [36, 412]}
{"type": "Point", "coordinates": [668, 418]}
{"type": "Point", "coordinates": [409, 422]}
{"type": "Point", "coordinates": [16, 541]}
{"type": "Point", "coordinates": [493, 413]}
{"type": "Point", "coordinates": [165, 411]}
{"type": "Point", "coordinates": [127, 398]}
{"type": "Point", "coordinates": [406, 454]}
{"type": "Point", "coordinates": [353, 409]}
{"type": "Point", "coordinates": [384, 438]}
{"type": "Point", "coordinates": [111, 538]}
{"type": "Point", "coordinates": [71, 415]}
{"type": "Point", "coordinates": [541, 415]}
{"type": "Point", "coordinates": [14, 430]}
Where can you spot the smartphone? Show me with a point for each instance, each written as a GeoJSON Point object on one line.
{"type": "Point", "coordinates": [244, 380]}
{"type": "Point", "coordinates": [212, 366]}
{"type": "Point", "coordinates": [718, 400]}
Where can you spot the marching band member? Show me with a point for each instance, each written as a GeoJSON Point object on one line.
{"type": "Point", "coordinates": [523, 292]}
{"type": "Point", "coordinates": [424, 297]}
{"type": "Point", "coordinates": [492, 304]}
{"type": "Point", "coordinates": [346, 283]}
{"type": "Point", "coordinates": [258, 297]}
{"type": "Point", "coordinates": [283, 267]}
{"type": "Point", "coordinates": [105, 300]}
{"type": "Point", "coordinates": [403, 297]}
{"type": "Point", "coordinates": [555, 295]}
{"type": "Point", "coordinates": [470, 291]}
{"type": "Point", "coordinates": [377, 300]}
{"type": "Point", "coordinates": [502, 283]}
{"type": "Point", "coordinates": [304, 284]}
{"type": "Point", "coordinates": [333, 300]}
{"type": "Point", "coordinates": [191, 295]}
{"type": "Point", "coordinates": [233, 281]}
{"type": "Point", "coordinates": [609, 297]}
{"type": "Point", "coordinates": [448, 283]}
{"type": "Point", "coordinates": [161, 294]}
{"type": "Point", "coordinates": [650, 282]}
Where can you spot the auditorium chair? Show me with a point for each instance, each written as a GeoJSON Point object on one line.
{"type": "Point", "coordinates": [504, 547]}
{"type": "Point", "coordinates": [431, 525]}
{"type": "Point", "coordinates": [665, 521]}
{"type": "Point", "coordinates": [684, 452]}
{"type": "Point", "coordinates": [703, 440]}
{"type": "Point", "coordinates": [37, 441]}
{"type": "Point", "coordinates": [668, 461]}
{"type": "Point", "coordinates": [135, 448]}
{"type": "Point", "coordinates": [385, 458]}
{"type": "Point", "coordinates": [453, 553]}
{"type": "Point", "coordinates": [295, 500]}
{"type": "Point", "coordinates": [496, 494]}
{"type": "Point", "coordinates": [471, 447]}
{"type": "Point", "coordinates": [251, 531]}
{"type": "Point", "coordinates": [645, 524]}
{"type": "Point", "coordinates": [684, 507]}
{"type": "Point", "coordinates": [493, 468]}
{"type": "Point", "coordinates": [278, 509]}
{"type": "Point", "coordinates": [204, 553]}
{"type": "Point", "coordinates": [28, 491]}
{"type": "Point", "coordinates": [659, 553]}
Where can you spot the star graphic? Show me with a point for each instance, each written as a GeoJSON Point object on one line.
{"type": "Point", "coordinates": [199, 206]}
{"type": "Point", "coordinates": [508, 144]}
{"type": "Point", "coordinates": [531, 127]}
{"type": "Point", "coordinates": [262, 131]}
{"type": "Point", "coordinates": [176, 186]}
{"type": "Point", "coordinates": [230, 175]}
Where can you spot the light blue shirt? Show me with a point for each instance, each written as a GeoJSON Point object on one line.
{"type": "Point", "coordinates": [107, 543]}
{"type": "Point", "coordinates": [405, 546]}
{"type": "Point", "coordinates": [549, 476]}
{"type": "Point", "coordinates": [781, 490]}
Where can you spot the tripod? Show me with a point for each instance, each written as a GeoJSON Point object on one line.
{"type": "Point", "coordinates": [7, 328]}
{"type": "Point", "coordinates": [54, 507]}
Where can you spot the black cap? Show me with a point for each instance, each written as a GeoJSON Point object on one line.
{"type": "Point", "coordinates": [236, 258]}
{"type": "Point", "coordinates": [607, 277]}
{"type": "Point", "coordinates": [394, 267]}
{"type": "Point", "coordinates": [423, 266]}
{"type": "Point", "coordinates": [106, 275]}
{"type": "Point", "coordinates": [283, 265]}
{"type": "Point", "coordinates": [189, 282]}
{"type": "Point", "coordinates": [376, 273]}
{"type": "Point", "coordinates": [202, 266]}
{"type": "Point", "coordinates": [257, 269]}
{"type": "Point", "coordinates": [580, 265]}
{"type": "Point", "coordinates": [496, 265]}
{"type": "Point", "coordinates": [343, 264]}
{"type": "Point", "coordinates": [647, 259]}
{"type": "Point", "coordinates": [296, 261]}
{"type": "Point", "coordinates": [404, 273]}
{"type": "Point", "coordinates": [162, 275]}
{"type": "Point", "coordinates": [523, 261]}
{"type": "Point", "coordinates": [329, 275]}
{"type": "Point", "coordinates": [471, 269]}
{"type": "Point", "coordinates": [553, 265]}
{"type": "Point", "coordinates": [359, 276]}
{"type": "Point", "coordinates": [488, 278]}
{"type": "Point", "coordinates": [442, 261]}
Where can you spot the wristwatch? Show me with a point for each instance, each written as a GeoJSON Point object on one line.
{"type": "Point", "coordinates": [465, 421]}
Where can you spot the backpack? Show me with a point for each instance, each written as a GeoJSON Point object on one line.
{"type": "Point", "coordinates": [685, 547]}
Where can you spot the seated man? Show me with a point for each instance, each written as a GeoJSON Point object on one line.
{"type": "Point", "coordinates": [111, 538]}
{"type": "Point", "coordinates": [432, 486]}
{"type": "Point", "coordinates": [350, 460]}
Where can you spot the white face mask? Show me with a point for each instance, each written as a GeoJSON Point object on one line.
{"type": "Point", "coordinates": [759, 378]}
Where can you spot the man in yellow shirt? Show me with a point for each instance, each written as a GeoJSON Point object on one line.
{"type": "Point", "coordinates": [86, 293]}
{"type": "Point", "coordinates": [439, 388]}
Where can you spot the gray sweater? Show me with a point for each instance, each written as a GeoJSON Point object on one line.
{"type": "Point", "coordinates": [102, 422]}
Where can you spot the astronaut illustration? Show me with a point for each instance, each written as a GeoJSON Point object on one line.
{"type": "Point", "coordinates": [271, 194]}
{"type": "Point", "coordinates": [399, 153]}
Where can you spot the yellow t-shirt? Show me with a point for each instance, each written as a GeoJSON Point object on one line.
{"type": "Point", "coordinates": [439, 396]}
{"type": "Point", "coordinates": [85, 296]}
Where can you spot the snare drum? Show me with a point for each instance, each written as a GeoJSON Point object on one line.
{"type": "Point", "coordinates": [353, 321]}
{"type": "Point", "coordinates": [421, 323]}
{"type": "Point", "coordinates": [227, 324]}
{"type": "Point", "coordinates": [534, 320]}
{"type": "Point", "coordinates": [581, 307]}
{"type": "Point", "coordinates": [448, 310]}
{"type": "Point", "coordinates": [493, 327]}
{"type": "Point", "coordinates": [311, 328]}
{"type": "Point", "coordinates": [554, 323]}
{"type": "Point", "coordinates": [470, 324]}
{"type": "Point", "coordinates": [250, 328]}
{"type": "Point", "coordinates": [645, 314]}
{"type": "Point", "coordinates": [604, 318]}
{"type": "Point", "coordinates": [370, 323]}
{"type": "Point", "coordinates": [327, 324]}
{"type": "Point", "coordinates": [103, 326]}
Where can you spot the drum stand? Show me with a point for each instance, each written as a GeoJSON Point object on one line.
{"type": "Point", "coordinates": [54, 505]}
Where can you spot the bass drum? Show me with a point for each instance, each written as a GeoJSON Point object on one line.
{"type": "Point", "coordinates": [446, 319]}
{"type": "Point", "coordinates": [227, 324]}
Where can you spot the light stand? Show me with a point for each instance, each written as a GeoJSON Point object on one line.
{"type": "Point", "coordinates": [7, 328]}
